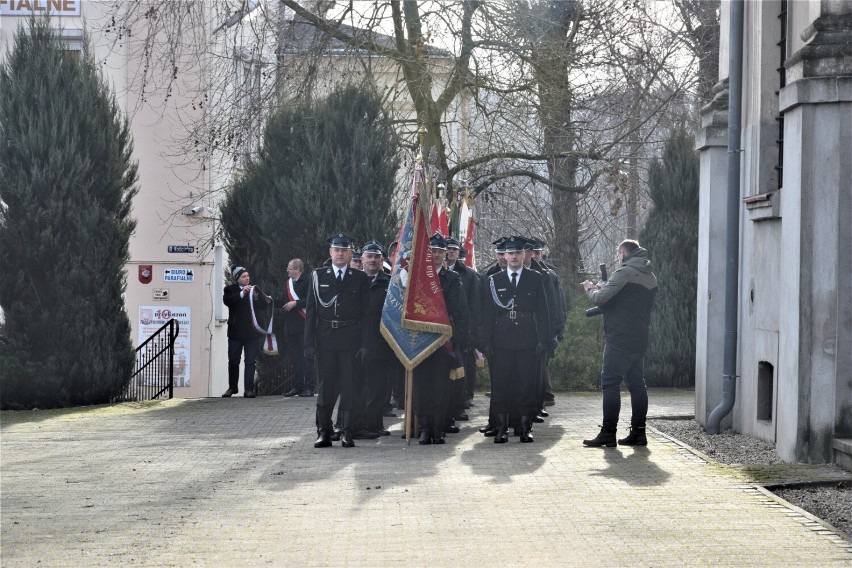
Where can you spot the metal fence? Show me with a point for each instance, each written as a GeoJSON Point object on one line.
{"type": "Point", "coordinates": [154, 372]}
{"type": "Point", "coordinates": [274, 374]}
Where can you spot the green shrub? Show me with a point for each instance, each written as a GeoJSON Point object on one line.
{"type": "Point", "coordinates": [577, 362]}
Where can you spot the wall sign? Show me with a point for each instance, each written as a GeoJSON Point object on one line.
{"type": "Point", "coordinates": [179, 275]}
{"type": "Point", "coordinates": [39, 7]}
{"type": "Point", "coordinates": [181, 248]}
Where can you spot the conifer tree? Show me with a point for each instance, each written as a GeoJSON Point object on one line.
{"type": "Point", "coordinates": [671, 237]}
{"type": "Point", "coordinates": [324, 166]}
{"type": "Point", "coordinates": [66, 185]}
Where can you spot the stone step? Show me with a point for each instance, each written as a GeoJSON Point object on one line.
{"type": "Point", "coordinates": [843, 452]}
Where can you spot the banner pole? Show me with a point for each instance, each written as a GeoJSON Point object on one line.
{"type": "Point", "coordinates": [409, 403]}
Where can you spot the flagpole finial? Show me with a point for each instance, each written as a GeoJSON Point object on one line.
{"type": "Point", "coordinates": [421, 137]}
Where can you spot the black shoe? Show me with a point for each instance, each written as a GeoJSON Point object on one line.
{"type": "Point", "coordinates": [490, 432]}
{"type": "Point", "coordinates": [229, 393]}
{"type": "Point", "coordinates": [306, 393]}
{"type": "Point", "coordinates": [452, 429]}
{"type": "Point", "coordinates": [249, 394]}
{"type": "Point", "coordinates": [384, 432]}
{"type": "Point", "coordinates": [425, 438]}
{"type": "Point", "coordinates": [543, 413]}
{"type": "Point", "coordinates": [486, 428]}
{"type": "Point", "coordinates": [292, 392]}
{"type": "Point", "coordinates": [323, 440]}
{"type": "Point", "coordinates": [389, 414]}
{"type": "Point", "coordinates": [635, 438]}
{"type": "Point", "coordinates": [365, 435]}
{"type": "Point", "coordinates": [501, 435]}
{"type": "Point", "coordinates": [438, 438]}
{"type": "Point", "coordinates": [335, 435]}
{"type": "Point", "coordinates": [463, 417]}
{"type": "Point", "coordinates": [537, 419]}
{"type": "Point", "coordinates": [604, 438]}
{"type": "Point", "coordinates": [526, 431]}
{"type": "Point", "coordinates": [346, 439]}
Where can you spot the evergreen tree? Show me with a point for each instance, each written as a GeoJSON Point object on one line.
{"type": "Point", "coordinates": [324, 167]}
{"type": "Point", "coordinates": [66, 183]}
{"type": "Point", "coordinates": [671, 237]}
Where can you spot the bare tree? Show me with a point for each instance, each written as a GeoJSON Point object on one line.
{"type": "Point", "coordinates": [561, 93]}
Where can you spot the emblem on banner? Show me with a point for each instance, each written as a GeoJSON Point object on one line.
{"type": "Point", "coordinates": [146, 271]}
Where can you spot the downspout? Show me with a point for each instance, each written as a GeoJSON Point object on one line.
{"type": "Point", "coordinates": [735, 96]}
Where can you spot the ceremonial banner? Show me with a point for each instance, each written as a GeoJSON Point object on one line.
{"type": "Point", "coordinates": [470, 259]}
{"type": "Point", "coordinates": [414, 318]}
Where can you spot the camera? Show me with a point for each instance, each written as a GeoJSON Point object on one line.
{"type": "Point", "coordinates": [596, 311]}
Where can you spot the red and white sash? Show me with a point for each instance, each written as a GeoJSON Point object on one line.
{"type": "Point", "coordinates": [270, 342]}
{"type": "Point", "coordinates": [293, 297]}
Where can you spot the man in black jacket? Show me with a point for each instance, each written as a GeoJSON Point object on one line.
{"type": "Point", "coordinates": [338, 309]}
{"type": "Point", "coordinates": [242, 335]}
{"type": "Point", "coordinates": [470, 285]}
{"type": "Point", "coordinates": [516, 330]}
{"type": "Point", "coordinates": [626, 300]}
{"type": "Point", "coordinates": [382, 365]}
{"type": "Point", "coordinates": [294, 304]}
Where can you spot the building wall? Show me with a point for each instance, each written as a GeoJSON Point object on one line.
{"type": "Point", "coordinates": [794, 382]}
{"type": "Point", "coordinates": [167, 178]}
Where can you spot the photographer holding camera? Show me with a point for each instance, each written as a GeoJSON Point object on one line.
{"type": "Point", "coordinates": [626, 301]}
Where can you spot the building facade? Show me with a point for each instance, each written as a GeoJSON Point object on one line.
{"type": "Point", "coordinates": [794, 329]}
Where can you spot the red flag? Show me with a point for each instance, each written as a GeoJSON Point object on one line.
{"type": "Point", "coordinates": [443, 223]}
{"type": "Point", "coordinates": [470, 259]}
{"type": "Point", "coordinates": [434, 219]}
{"type": "Point", "coordinates": [424, 306]}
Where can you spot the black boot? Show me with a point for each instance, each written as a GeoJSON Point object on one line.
{"type": "Point", "coordinates": [502, 434]}
{"type": "Point", "coordinates": [425, 431]}
{"type": "Point", "coordinates": [437, 436]}
{"type": "Point", "coordinates": [324, 428]}
{"type": "Point", "coordinates": [346, 431]}
{"type": "Point", "coordinates": [526, 427]}
{"type": "Point", "coordinates": [635, 438]}
{"type": "Point", "coordinates": [604, 438]}
{"type": "Point", "coordinates": [323, 439]}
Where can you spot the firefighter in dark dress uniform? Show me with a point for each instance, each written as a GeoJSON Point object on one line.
{"type": "Point", "coordinates": [515, 333]}
{"type": "Point", "coordinates": [337, 335]}
{"type": "Point", "coordinates": [432, 376]}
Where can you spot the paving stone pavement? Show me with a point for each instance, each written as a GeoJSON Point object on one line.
{"type": "Point", "coordinates": [235, 482]}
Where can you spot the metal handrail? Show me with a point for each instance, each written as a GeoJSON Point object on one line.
{"type": "Point", "coordinates": [154, 366]}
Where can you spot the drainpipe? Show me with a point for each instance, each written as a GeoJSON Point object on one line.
{"type": "Point", "coordinates": [735, 97]}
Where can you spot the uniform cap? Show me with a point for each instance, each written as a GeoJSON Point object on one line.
{"type": "Point", "coordinates": [515, 243]}
{"type": "Point", "coordinates": [340, 240]}
{"type": "Point", "coordinates": [438, 241]}
{"type": "Point", "coordinates": [372, 247]}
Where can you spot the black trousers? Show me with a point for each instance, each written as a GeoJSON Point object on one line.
{"type": "Point", "coordinates": [336, 370]}
{"type": "Point", "coordinates": [431, 388]}
{"type": "Point", "coordinates": [514, 379]}
{"type": "Point", "coordinates": [304, 372]}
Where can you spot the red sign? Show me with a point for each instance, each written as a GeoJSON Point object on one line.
{"type": "Point", "coordinates": [146, 271]}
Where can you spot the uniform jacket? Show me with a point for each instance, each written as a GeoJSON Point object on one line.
{"type": "Point", "coordinates": [551, 291]}
{"type": "Point", "coordinates": [293, 320]}
{"type": "Point", "coordinates": [626, 301]}
{"type": "Point", "coordinates": [471, 286]}
{"type": "Point", "coordinates": [343, 325]}
{"type": "Point", "coordinates": [532, 319]}
{"type": "Point", "coordinates": [239, 314]}
{"type": "Point", "coordinates": [457, 308]}
{"type": "Point", "coordinates": [379, 348]}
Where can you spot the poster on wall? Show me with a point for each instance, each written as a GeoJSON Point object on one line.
{"type": "Point", "coordinates": [152, 318]}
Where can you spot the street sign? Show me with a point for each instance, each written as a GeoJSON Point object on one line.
{"type": "Point", "coordinates": [181, 248]}
{"type": "Point", "coordinates": [179, 275]}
